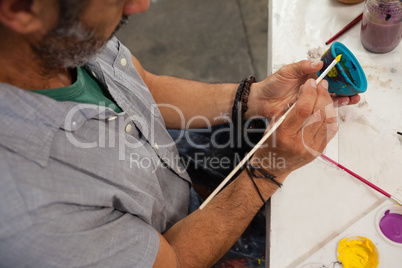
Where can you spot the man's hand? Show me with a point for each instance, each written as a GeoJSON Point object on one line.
{"type": "Point", "coordinates": [304, 134]}
{"type": "Point", "coordinates": [270, 96]}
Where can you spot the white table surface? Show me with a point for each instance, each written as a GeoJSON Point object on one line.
{"type": "Point", "coordinates": [319, 201]}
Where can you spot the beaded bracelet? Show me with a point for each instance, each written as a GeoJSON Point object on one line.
{"type": "Point", "coordinates": [257, 172]}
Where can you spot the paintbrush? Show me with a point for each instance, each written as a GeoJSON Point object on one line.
{"type": "Point", "coordinates": [346, 28]}
{"type": "Point", "coordinates": [264, 138]}
{"type": "Point", "coordinates": [375, 187]}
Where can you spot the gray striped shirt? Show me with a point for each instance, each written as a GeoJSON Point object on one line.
{"type": "Point", "coordinates": [82, 186]}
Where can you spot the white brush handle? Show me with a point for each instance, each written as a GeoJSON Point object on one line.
{"type": "Point", "coordinates": [246, 158]}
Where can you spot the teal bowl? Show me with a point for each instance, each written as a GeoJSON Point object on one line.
{"type": "Point", "coordinates": [347, 78]}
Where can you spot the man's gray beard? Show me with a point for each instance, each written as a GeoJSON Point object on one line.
{"type": "Point", "coordinates": [70, 46]}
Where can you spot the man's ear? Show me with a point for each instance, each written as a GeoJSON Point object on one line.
{"type": "Point", "coordinates": [21, 16]}
{"type": "Point", "coordinates": [136, 7]}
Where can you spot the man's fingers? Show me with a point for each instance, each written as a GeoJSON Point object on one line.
{"type": "Point", "coordinates": [322, 101]}
{"type": "Point", "coordinates": [346, 100]}
{"type": "Point", "coordinates": [303, 107]}
{"type": "Point", "coordinates": [305, 67]}
{"type": "Point", "coordinates": [324, 109]}
{"type": "Point", "coordinates": [313, 113]}
{"type": "Point", "coordinates": [354, 99]}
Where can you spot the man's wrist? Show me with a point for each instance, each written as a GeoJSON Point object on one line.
{"type": "Point", "coordinates": [255, 172]}
{"type": "Point", "coordinates": [259, 189]}
{"type": "Point", "coordinates": [254, 103]}
{"type": "Point", "coordinates": [272, 164]}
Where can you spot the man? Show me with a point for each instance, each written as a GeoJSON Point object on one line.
{"type": "Point", "coordinates": [88, 170]}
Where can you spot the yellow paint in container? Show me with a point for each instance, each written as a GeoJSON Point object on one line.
{"type": "Point", "coordinates": [357, 252]}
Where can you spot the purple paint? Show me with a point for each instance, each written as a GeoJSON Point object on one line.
{"type": "Point", "coordinates": [380, 38]}
{"type": "Point", "coordinates": [381, 28]}
{"type": "Point", "coordinates": [391, 226]}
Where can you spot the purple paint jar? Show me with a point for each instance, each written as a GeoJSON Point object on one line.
{"type": "Point", "coordinates": [381, 27]}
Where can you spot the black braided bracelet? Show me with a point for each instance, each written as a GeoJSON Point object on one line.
{"type": "Point", "coordinates": [240, 105]}
{"type": "Point", "coordinates": [236, 112]}
{"type": "Point", "coordinates": [257, 172]}
{"type": "Point", "coordinates": [245, 94]}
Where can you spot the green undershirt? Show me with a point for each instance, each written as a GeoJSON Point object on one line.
{"type": "Point", "coordinates": [86, 89]}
